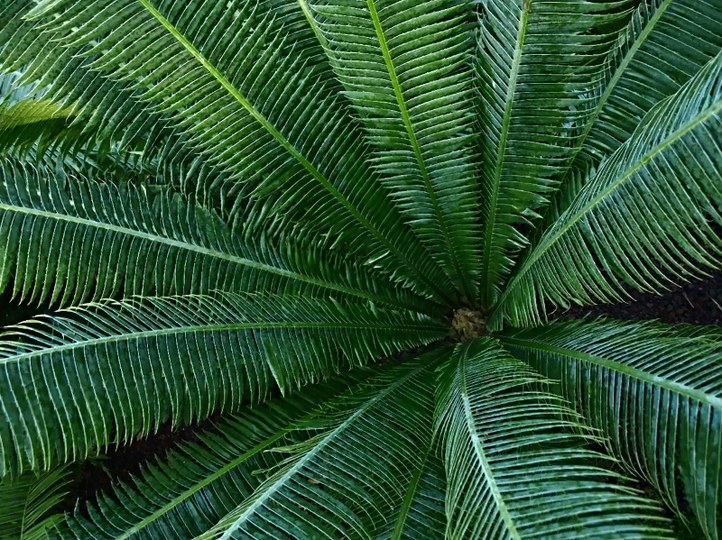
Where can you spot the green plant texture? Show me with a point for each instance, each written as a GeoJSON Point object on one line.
{"type": "Point", "coordinates": [347, 231]}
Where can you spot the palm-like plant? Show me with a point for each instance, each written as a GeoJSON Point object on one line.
{"type": "Point", "coordinates": [241, 207]}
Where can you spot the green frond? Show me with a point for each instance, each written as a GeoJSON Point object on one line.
{"type": "Point", "coordinates": [228, 209]}
{"type": "Point", "coordinates": [421, 514]}
{"type": "Point", "coordinates": [108, 117]}
{"type": "Point", "coordinates": [106, 124]}
{"type": "Point", "coordinates": [664, 45]}
{"type": "Point", "coordinates": [187, 492]}
{"type": "Point", "coordinates": [41, 133]}
{"type": "Point", "coordinates": [91, 377]}
{"type": "Point", "coordinates": [352, 474]}
{"type": "Point", "coordinates": [103, 110]}
{"type": "Point", "coordinates": [228, 77]}
{"type": "Point", "coordinates": [535, 62]}
{"type": "Point", "coordinates": [37, 130]}
{"type": "Point", "coordinates": [654, 390]}
{"type": "Point", "coordinates": [67, 240]}
{"type": "Point", "coordinates": [404, 66]}
{"type": "Point", "coordinates": [643, 221]}
{"type": "Point", "coordinates": [28, 504]}
{"type": "Point", "coordinates": [516, 458]}
{"type": "Point", "coordinates": [107, 114]}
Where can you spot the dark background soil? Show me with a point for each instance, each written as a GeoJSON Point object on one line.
{"type": "Point", "coordinates": [698, 302]}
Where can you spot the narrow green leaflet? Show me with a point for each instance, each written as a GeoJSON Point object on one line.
{"type": "Point", "coordinates": [516, 458]}
{"type": "Point", "coordinates": [228, 76]}
{"type": "Point", "coordinates": [108, 114]}
{"type": "Point", "coordinates": [104, 110]}
{"type": "Point", "coordinates": [655, 391]}
{"type": "Point", "coordinates": [26, 117]}
{"type": "Point", "coordinates": [187, 492]}
{"type": "Point", "coordinates": [404, 65]}
{"type": "Point", "coordinates": [421, 514]}
{"type": "Point", "coordinates": [347, 480]}
{"type": "Point", "coordinates": [643, 221]}
{"type": "Point", "coordinates": [66, 239]}
{"type": "Point", "coordinates": [28, 504]}
{"type": "Point", "coordinates": [38, 130]}
{"type": "Point", "coordinates": [534, 63]}
{"type": "Point", "coordinates": [106, 122]}
{"type": "Point", "coordinates": [74, 384]}
{"type": "Point", "coordinates": [664, 45]}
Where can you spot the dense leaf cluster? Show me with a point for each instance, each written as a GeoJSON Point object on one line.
{"type": "Point", "coordinates": [346, 229]}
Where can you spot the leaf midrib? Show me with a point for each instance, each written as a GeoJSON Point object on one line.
{"type": "Point", "coordinates": [641, 375]}
{"type": "Point", "coordinates": [612, 84]}
{"type": "Point", "coordinates": [410, 494]}
{"type": "Point", "coordinates": [406, 118]}
{"type": "Point", "coordinates": [479, 450]}
{"type": "Point", "coordinates": [198, 486]}
{"type": "Point", "coordinates": [198, 329]}
{"type": "Point", "coordinates": [281, 481]}
{"type": "Point", "coordinates": [23, 522]}
{"type": "Point", "coordinates": [488, 285]}
{"type": "Point", "coordinates": [286, 144]}
{"type": "Point", "coordinates": [200, 250]}
{"type": "Point", "coordinates": [306, 9]}
{"type": "Point", "coordinates": [547, 243]}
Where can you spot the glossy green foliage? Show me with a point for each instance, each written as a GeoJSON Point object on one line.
{"type": "Point", "coordinates": [28, 504]}
{"type": "Point", "coordinates": [656, 389]}
{"type": "Point", "coordinates": [339, 229]}
{"type": "Point", "coordinates": [506, 437]}
{"type": "Point", "coordinates": [176, 359]}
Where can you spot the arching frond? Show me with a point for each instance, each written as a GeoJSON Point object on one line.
{"type": "Point", "coordinates": [108, 118]}
{"type": "Point", "coordinates": [186, 493]}
{"type": "Point", "coordinates": [254, 107]}
{"type": "Point", "coordinates": [99, 375]}
{"type": "Point", "coordinates": [664, 45]}
{"type": "Point", "coordinates": [105, 111]}
{"type": "Point", "coordinates": [67, 240]}
{"type": "Point", "coordinates": [28, 504]}
{"type": "Point", "coordinates": [644, 216]}
{"type": "Point", "coordinates": [535, 62]}
{"type": "Point", "coordinates": [656, 392]}
{"type": "Point", "coordinates": [351, 475]}
{"type": "Point", "coordinates": [231, 207]}
{"type": "Point", "coordinates": [516, 461]}
{"type": "Point", "coordinates": [35, 129]}
{"type": "Point", "coordinates": [38, 131]}
{"type": "Point", "coordinates": [421, 512]}
{"type": "Point", "coordinates": [106, 123]}
{"type": "Point", "coordinates": [404, 65]}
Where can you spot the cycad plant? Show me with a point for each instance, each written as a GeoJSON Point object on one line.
{"type": "Point", "coordinates": [347, 230]}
